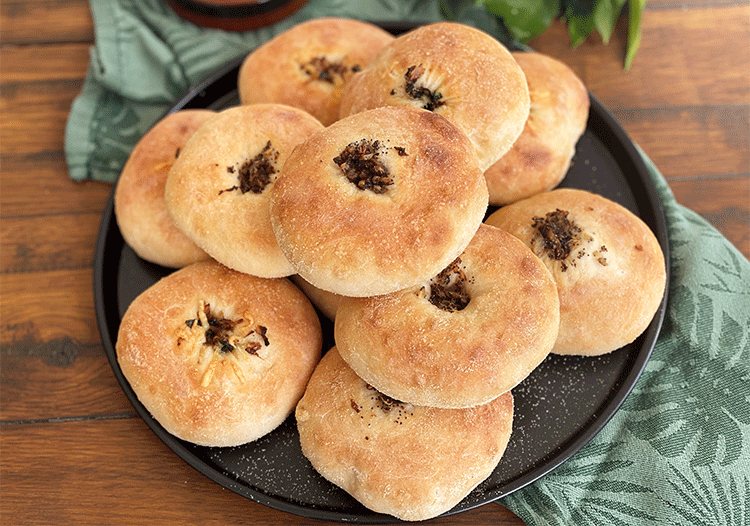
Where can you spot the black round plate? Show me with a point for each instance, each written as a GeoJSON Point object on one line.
{"type": "Point", "coordinates": [560, 407]}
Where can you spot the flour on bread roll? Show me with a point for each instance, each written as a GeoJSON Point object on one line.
{"type": "Point", "coordinates": [456, 71]}
{"type": "Point", "coordinates": [540, 157]}
{"type": "Point", "coordinates": [219, 358]}
{"type": "Point", "coordinates": [218, 189]}
{"type": "Point", "coordinates": [608, 265]}
{"type": "Point", "coordinates": [408, 461]}
{"type": "Point", "coordinates": [461, 339]}
{"type": "Point", "coordinates": [139, 205]}
{"type": "Point", "coordinates": [308, 65]}
{"type": "Point", "coordinates": [378, 201]}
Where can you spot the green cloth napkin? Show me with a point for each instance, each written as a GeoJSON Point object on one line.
{"type": "Point", "coordinates": [146, 57]}
{"type": "Point", "coordinates": [677, 452]}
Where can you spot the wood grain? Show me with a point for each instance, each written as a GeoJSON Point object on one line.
{"type": "Point", "coordinates": [688, 141]}
{"type": "Point", "coordinates": [129, 460]}
{"type": "Point", "coordinates": [724, 202]}
{"type": "Point", "coordinates": [52, 21]}
{"type": "Point", "coordinates": [48, 242]}
{"type": "Point", "coordinates": [48, 305]}
{"type": "Point", "coordinates": [35, 113]}
{"type": "Point", "coordinates": [38, 183]}
{"type": "Point", "coordinates": [682, 59]}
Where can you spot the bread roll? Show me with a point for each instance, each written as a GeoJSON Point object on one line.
{"type": "Point", "coordinates": [456, 71]}
{"type": "Point", "coordinates": [219, 358]}
{"type": "Point", "coordinates": [308, 65]}
{"type": "Point", "coordinates": [408, 461]}
{"type": "Point", "coordinates": [327, 302]}
{"type": "Point", "coordinates": [608, 265]}
{"type": "Point", "coordinates": [540, 157]}
{"type": "Point", "coordinates": [369, 205]}
{"type": "Point", "coordinates": [218, 190]}
{"type": "Point", "coordinates": [139, 205]}
{"type": "Point", "coordinates": [461, 339]}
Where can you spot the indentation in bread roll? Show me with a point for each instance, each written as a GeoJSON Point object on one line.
{"type": "Point", "coordinates": [540, 157]}
{"type": "Point", "coordinates": [464, 337]}
{"type": "Point", "coordinates": [308, 65]}
{"type": "Point", "coordinates": [378, 201]}
{"type": "Point", "coordinates": [409, 461]}
{"type": "Point", "coordinates": [608, 265]}
{"type": "Point", "coordinates": [139, 205]}
{"type": "Point", "coordinates": [456, 71]}
{"type": "Point", "coordinates": [218, 190]}
{"type": "Point", "coordinates": [218, 357]}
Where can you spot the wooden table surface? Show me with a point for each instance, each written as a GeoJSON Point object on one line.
{"type": "Point", "coordinates": [72, 449]}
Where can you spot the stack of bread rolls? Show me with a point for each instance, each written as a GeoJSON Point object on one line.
{"type": "Point", "coordinates": [362, 166]}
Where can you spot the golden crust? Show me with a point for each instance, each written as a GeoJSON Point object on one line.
{"type": "Point", "coordinates": [613, 280]}
{"type": "Point", "coordinates": [412, 350]}
{"type": "Point", "coordinates": [540, 157]}
{"type": "Point", "coordinates": [482, 89]}
{"type": "Point", "coordinates": [139, 205]}
{"type": "Point", "coordinates": [408, 461]}
{"type": "Point", "coordinates": [359, 243]}
{"type": "Point", "coordinates": [199, 392]}
{"type": "Point", "coordinates": [308, 65]}
{"type": "Point", "coordinates": [204, 193]}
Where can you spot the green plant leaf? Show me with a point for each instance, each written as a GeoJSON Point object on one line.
{"type": "Point", "coordinates": [634, 30]}
{"type": "Point", "coordinates": [579, 15]}
{"type": "Point", "coordinates": [525, 19]}
{"type": "Point", "coordinates": [606, 13]}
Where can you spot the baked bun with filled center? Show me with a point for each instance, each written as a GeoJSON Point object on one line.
{"type": "Point", "coordinates": [219, 358]}
{"type": "Point", "coordinates": [608, 265]}
{"type": "Point", "coordinates": [378, 201]}
{"type": "Point", "coordinates": [409, 461]}
{"type": "Point", "coordinates": [139, 205]}
{"type": "Point", "coordinates": [453, 70]}
{"type": "Point", "coordinates": [469, 334]}
{"type": "Point", "coordinates": [540, 157]}
{"type": "Point", "coordinates": [219, 188]}
{"type": "Point", "coordinates": [308, 65]}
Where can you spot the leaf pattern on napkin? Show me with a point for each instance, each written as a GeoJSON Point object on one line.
{"type": "Point", "coordinates": [683, 434]}
{"type": "Point", "coordinates": [115, 128]}
{"type": "Point", "coordinates": [691, 404]}
{"type": "Point", "coordinates": [704, 498]}
{"type": "Point", "coordinates": [592, 488]}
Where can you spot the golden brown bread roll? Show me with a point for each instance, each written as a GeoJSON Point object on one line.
{"type": "Point", "coordinates": [219, 358]}
{"type": "Point", "coordinates": [608, 265]}
{"type": "Point", "coordinates": [218, 190]}
{"type": "Point", "coordinates": [456, 71]}
{"type": "Point", "coordinates": [139, 205]}
{"type": "Point", "coordinates": [308, 65]}
{"type": "Point", "coordinates": [465, 337]}
{"type": "Point", "coordinates": [369, 206]}
{"type": "Point", "coordinates": [540, 157]}
{"type": "Point", "coordinates": [408, 461]}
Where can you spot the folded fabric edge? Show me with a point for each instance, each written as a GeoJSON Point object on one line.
{"type": "Point", "coordinates": [78, 143]}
